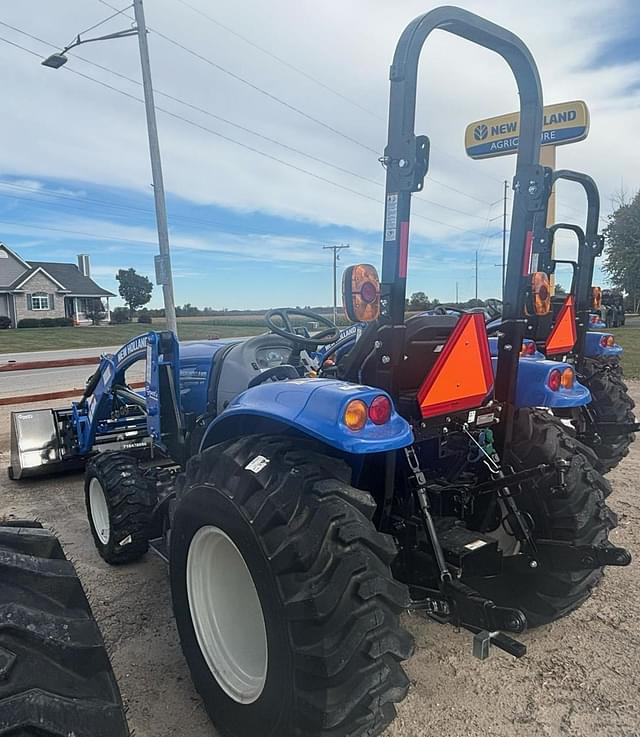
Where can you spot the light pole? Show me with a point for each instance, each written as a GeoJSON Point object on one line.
{"type": "Point", "coordinates": [336, 256]}
{"type": "Point", "coordinates": [163, 260]}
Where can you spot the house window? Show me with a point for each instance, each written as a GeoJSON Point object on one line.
{"type": "Point", "coordinates": [40, 301]}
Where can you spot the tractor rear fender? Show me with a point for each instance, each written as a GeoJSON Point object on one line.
{"type": "Point", "coordinates": [534, 387]}
{"type": "Point", "coordinates": [593, 347]}
{"type": "Point", "coordinates": [313, 408]}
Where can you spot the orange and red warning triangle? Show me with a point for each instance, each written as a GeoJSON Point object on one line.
{"type": "Point", "coordinates": [462, 376]}
{"type": "Point", "coordinates": [563, 335]}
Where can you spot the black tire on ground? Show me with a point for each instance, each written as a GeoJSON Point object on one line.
{"type": "Point", "coordinates": [578, 514]}
{"type": "Point", "coordinates": [322, 578]}
{"type": "Point", "coordinates": [55, 676]}
{"type": "Point", "coordinates": [129, 496]}
{"type": "Point", "coordinates": [610, 402]}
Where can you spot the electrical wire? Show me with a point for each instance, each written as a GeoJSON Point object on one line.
{"type": "Point", "coordinates": [239, 126]}
{"type": "Point", "coordinates": [102, 22]}
{"type": "Point", "coordinates": [282, 61]}
{"type": "Point", "coordinates": [239, 143]}
{"type": "Point", "coordinates": [256, 87]}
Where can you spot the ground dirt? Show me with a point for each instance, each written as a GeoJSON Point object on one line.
{"type": "Point", "coordinates": [580, 677]}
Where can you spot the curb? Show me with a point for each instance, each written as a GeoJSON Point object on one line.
{"type": "Point", "coordinates": [48, 396]}
{"type": "Point", "coordinates": [58, 363]}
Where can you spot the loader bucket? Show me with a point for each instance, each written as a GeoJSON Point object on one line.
{"type": "Point", "coordinates": [36, 445]}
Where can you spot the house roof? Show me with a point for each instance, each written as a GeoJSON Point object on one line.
{"type": "Point", "coordinates": [68, 275]}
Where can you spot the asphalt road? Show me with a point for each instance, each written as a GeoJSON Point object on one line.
{"type": "Point", "coordinates": [39, 381]}
{"type": "Point", "coordinates": [55, 355]}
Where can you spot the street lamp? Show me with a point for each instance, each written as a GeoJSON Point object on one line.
{"type": "Point", "coordinates": [163, 260]}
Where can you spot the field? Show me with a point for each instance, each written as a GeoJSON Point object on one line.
{"type": "Point", "coordinates": [629, 339]}
{"type": "Point", "coordinates": [189, 328]}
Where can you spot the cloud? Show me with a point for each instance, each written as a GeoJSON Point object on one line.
{"type": "Point", "coordinates": [75, 135]}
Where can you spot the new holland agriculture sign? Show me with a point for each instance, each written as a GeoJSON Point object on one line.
{"type": "Point", "coordinates": [565, 122]}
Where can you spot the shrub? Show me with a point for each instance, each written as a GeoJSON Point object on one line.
{"type": "Point", "coordinates": [5, 322]}
{"type": "Point", "coordinates": [146, 319]}
{"type": "Point", "coordinates": [29, 322]}
{"type": "Point", "coordinates": [119, 316]}
{"type": "Point", "coordinates": [45, 322]}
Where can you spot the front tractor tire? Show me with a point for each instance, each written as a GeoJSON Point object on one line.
{"type": "Point", "coordinates": [119, 500]}
{"type": "Point", "coordinates": [283, 596]}
{"type": "Point", "coordinates": [55, 676]}
{"type": "Point", "coordinates": [576, 514]}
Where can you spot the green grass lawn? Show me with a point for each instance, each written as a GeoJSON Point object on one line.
{"type": "Point", "coordinates": [39, 339]}
{"type": "Point", "coordinates": [42, 339]}
{"type": "Point", "coordinates": [629, 338]}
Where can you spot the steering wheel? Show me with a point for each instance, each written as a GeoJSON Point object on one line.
{"type": "Point", "coordinates": [494, 307]}
{"type": "Point", "coordinates": [329, 335]}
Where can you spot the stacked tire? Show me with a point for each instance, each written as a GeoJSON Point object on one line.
{"type": "Point", "coordinates": [56, 679]}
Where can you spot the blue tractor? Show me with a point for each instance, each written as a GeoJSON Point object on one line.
{"type": "Point", "coordinates": [561, 327]}
{"type": "Point", "coordinates": [306, 489]}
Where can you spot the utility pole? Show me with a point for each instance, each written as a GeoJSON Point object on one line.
{"type": "Point", "coordinates": [476, 274]}
{"type": "Point", "coordinates": [163, 261]}
{"type": "Point", "coordinates": [457, 300]}
{"type": "Point", "coordinates": [336, 257]}
{"type": "Point", "coordinates": [504, 235]}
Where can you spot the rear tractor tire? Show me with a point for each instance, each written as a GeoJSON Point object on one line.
{"type": "Point", "coordinates": [610, 402]}
{"type": "Point", "coordinates": [283, 596]}
{"type": "Point", "coordinates": [577, 514]}
{"type": "Point", "coordinates": [120, 500]}
{"type": "Point", "coordinates": [55, 676]}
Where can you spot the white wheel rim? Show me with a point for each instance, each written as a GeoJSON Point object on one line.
{"type": "Point", "coordinates": [227, 615]}
{"type": "Point", "coordinates": [99, 511]}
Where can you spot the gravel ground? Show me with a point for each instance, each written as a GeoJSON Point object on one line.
{"type": "Point", "coordinates": [580, 677]}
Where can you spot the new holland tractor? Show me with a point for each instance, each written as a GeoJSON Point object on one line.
{"type": "Point", "coordinates": [606, 424]}
{"type": "Point", "coordinates": [307, 489]}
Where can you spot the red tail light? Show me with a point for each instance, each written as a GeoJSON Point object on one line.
{"type": "Point", "coordinates": [554, 380]}
{"type": "Point", "coordinates": [607, 341]}
{"type": "Point", "coordinates": [380, 410]}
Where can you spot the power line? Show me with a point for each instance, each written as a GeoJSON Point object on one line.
{"type": "Point", "coordinates": [250, 131]}
{"type": "Point", "coordinates": [282, 61]}
{"type": "Point", "coordinates": [277, 99]}
{"type": "Point", "coordinates": [310, 77]}
{"type": "Point", "coordinates": [102, 22]}
{"type": "Point", "coordinates": [256, 87]}
{"type": "Point", "coordinates": [243, 145]}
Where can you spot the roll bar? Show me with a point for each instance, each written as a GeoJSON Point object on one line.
{"type": "Point", "coordinates": [591, 244]}
{"type": "Point", "coordinates": [406, 159]}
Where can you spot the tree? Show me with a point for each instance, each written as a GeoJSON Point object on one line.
{"type": "Point", "coordinates": [134, 288]}
{"type": "Point", "coordinates": [559, 290]}
{"type": "Point", "coordinates": [622, 237]}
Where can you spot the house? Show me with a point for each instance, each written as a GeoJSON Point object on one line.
{"type": "Point", "coordinates": [37, 289]}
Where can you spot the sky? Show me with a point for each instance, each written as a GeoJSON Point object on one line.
{"type": "Point", "coordinates": [271, 119]}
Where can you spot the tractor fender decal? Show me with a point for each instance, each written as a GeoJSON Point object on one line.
{"type": "Point", "coordinates": [533, 388]}
{"type": "Point", "coordinates": [314, 407]}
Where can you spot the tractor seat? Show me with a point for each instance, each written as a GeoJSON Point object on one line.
{"type": "Point", "coordinates": [424, 341]}
{"type": "Point", "coordinates": [425, 336]}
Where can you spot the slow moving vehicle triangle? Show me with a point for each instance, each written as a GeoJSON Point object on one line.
{"type": "Point", "coordinates": [462, 376]}
{"type": "Point", "coordinates": [564, 335]}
